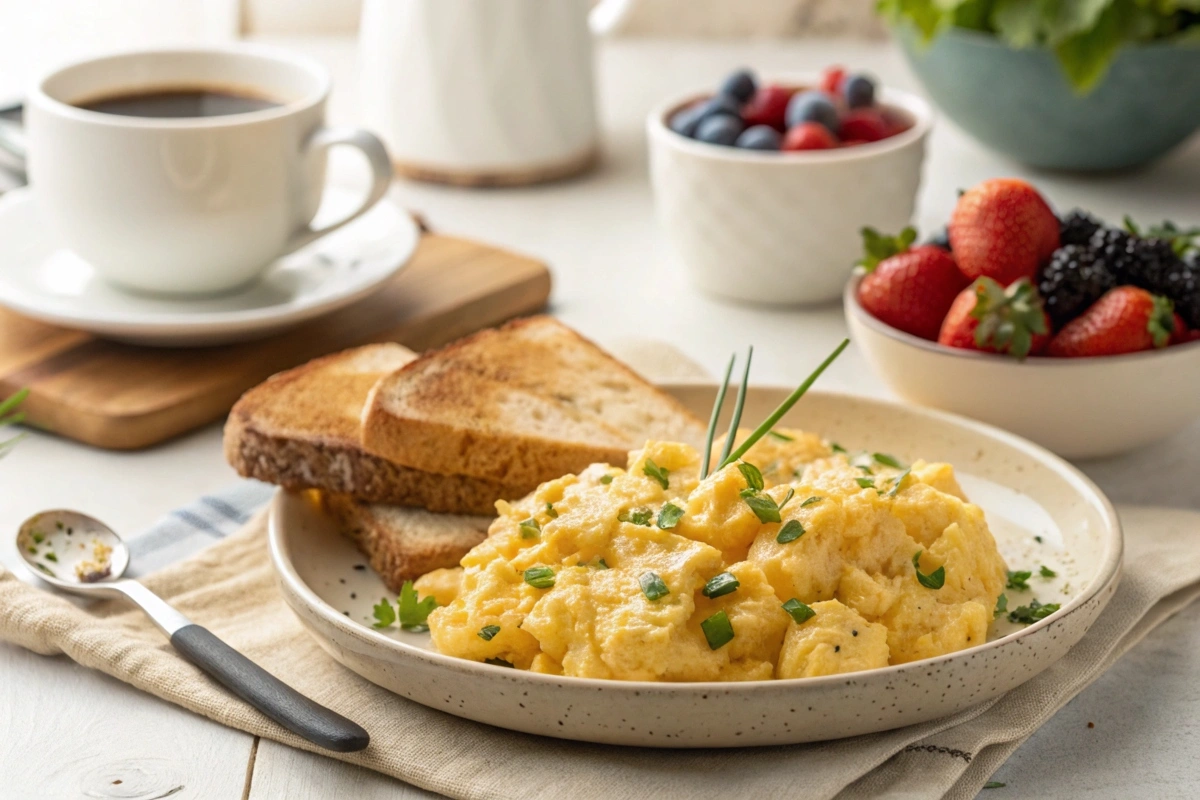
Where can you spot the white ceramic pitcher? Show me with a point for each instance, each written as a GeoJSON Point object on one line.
{"type": "Point", "coordinates": [483, 92]}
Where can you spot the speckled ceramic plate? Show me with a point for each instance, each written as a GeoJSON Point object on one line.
{"type": "Point", "coordinates": [1041, 509]}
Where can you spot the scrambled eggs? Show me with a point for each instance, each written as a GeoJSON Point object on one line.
{"type": "Point", "coordinates": [795, 562]}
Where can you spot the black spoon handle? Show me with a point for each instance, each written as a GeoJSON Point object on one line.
{"type": "Point", "coordinates": [268, 694]}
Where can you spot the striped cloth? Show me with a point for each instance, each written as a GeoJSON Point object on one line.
{"type": "Point", "coordinates": [195, 526]}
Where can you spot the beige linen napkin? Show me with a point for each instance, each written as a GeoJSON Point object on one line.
{"type": "Point", "coordinates": [230, 587]}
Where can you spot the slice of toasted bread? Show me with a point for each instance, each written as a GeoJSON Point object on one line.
{"type": "Point", "coordinates": [521, 404]}
{"type": "Point", "coordinates": [300, 429]}
{"type": "Point", "coordinates": [403, 544]}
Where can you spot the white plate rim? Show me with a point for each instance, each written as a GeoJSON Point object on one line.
{"type": "Point", "coordinates": [170, 325]}
{"type": "Point", "coordinates": [1107, 572]}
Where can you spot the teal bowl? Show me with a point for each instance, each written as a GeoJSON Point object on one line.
{"type": "Point", "coordinates": [1019, 103]}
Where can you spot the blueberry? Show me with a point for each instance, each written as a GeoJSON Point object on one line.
{"type": "Point", "coordinates": [684, 122]}
{"type": "Point", "coordinates": [721, 104]}
{"type": "Point", "coordinates": [859, 91]}
{"type": "Point", "coordinates": [719, 129]}
{"type": "Point", "coordinates": [740, 85]}
{"type": "Point", "coordinates": [812, 106]}
{"type": "Point", "coordinates": [759, 137]}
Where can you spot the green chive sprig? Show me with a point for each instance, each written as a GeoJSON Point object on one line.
{"type": "Point", "coordinates": [738, 405]}
{"type": "Point", "coordinates": [716, 414]}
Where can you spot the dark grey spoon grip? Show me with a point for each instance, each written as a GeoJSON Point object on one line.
{"type": "Point", "coordinates": [268, 694]}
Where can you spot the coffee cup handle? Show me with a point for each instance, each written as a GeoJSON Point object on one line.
{"type": "Point", "coordinates": [381, 172]}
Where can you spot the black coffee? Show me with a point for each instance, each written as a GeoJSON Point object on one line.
{"type": "Point", "coordinates": [178, 103]}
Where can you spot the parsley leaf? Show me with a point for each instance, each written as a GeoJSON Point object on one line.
{"type": "Point", "coordinates": [385, 615]}
{"type": "Point", "coordinates": [550, 512]}
{"type": "Point", "coordinates": [837, 448]}
{"type": "Point", "coordinates": [657, 473]}
{"type": "Point", "coordinates": [865, 483]}
{"type": "Point", "coordinates": [1032, 612]}
{"type": "Point", "coordinates": [669, 516]}
{"type": "Point", "coordinates": [530, 529]}
{"type": "Point", "coordinates": [934, 580]}
{"type": "Point", "coordinates": [1019, 580]}
{"type": "Point", "coordinates": [899, 483]}
{"type": "Point", "coordinates": [790, 532]}
{"type": "Point", "coordinates": [751, 473]}
{"type": "Point", "coordinates": [1046, 572]}
{"type": "Point", "coordinates": [1001, 605]}
{"type": "Point", "coordinates": [487, 632]}
{"type": "Point", "coordinates": [414, 613]}
{"type": "Point", "coordinates": [763, 507]}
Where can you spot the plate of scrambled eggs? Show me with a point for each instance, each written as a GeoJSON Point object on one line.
{"type": "Point", "coordinates": [863, 567]}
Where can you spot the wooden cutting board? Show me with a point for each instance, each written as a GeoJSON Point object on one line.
{"type": "Point", "coordinates": [125, 397]}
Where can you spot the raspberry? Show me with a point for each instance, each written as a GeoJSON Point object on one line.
{"type": "Point", "coordinates": [1072, 281]}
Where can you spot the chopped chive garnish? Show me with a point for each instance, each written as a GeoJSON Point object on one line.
{"type": "Point", "coordinates": [865, 469]}
{"type": "Point", "coordinates": [811, 501]}
{"type": "Point", "coordinates": [837, 448]}
{"type": "Point", "coordinates": [58, 524]}
{"type": "Point", "coordinates": [783, 437]}
{"type": "Point", "coordinates": [717, 630]}
{"type": "Point", "coordinates": [934, 580]}
{"type": "Point", "coordinates": [669, 516]}
{"type": "Point", "coordinates": [773, 419]}
{"type": "Point", "coordinates": [539, 577]}
{"type": "Point", "coordinates": [865, 483]}
{"type": "Point", "coordinates": [33, 551]}
{"type": "Point", "coordinates": [721, 584]}
{"type": "Point", "coordinates": [1032, 612]}
{"type": "Point", "coordinates": [530, 529]}
{"type": "Point", "coordinates": [763, 507]}
{"type": "Point", "coordinates": [38, 537]}
{"type": "Point", "coordinates": [751, 473]}
{"type": "Point", "coordinates": [606, 479]}
{"type": "Point", "coordinates": [887, 461]}
{"type": "Point", "coordinates": [657, 473]}
{"type": "Point", "coordinates": [601, 564]}
{"type": "Point", "coordinates": [713, 419]}
{"type": "Point", "coordinates": [51, 557]}
{"type": "Point", "coordinates": [487, 632]}
{"type": "Point", "coordinates": [1046, 572]}
{"type": "Point", "coordinates": [653, 586]}
{"type": "Point", "coordinates": [498, 662]}
{"type": "Point", "coordinates": [637, 516]}
{"type": "Point", "coordinates": [798, 611]}
{"type": "Point", "coordinates": [790, 532]}
{"type": "Point", "coordinates": [899, 482]}
{"type": "Point", "coordinates": [1019, 580]}
{"type": "Point", "coordinates": [550, 512]}
{"type": "Point", "coordinates": [736, 420]}
{"type": "Point", "coordinates": [1001, 605]}
{"type": "Point", "coordinates": [45, 569]}
{"type": "Point", "coordinates": [994, 785]}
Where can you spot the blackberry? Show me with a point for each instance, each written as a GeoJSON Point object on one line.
{"type": "Point", "coordinates": [1114, 247]}
{"type": "Point", "coordinates": [1077, 227]}
{"type": "Point", "coordinates": [1073, 279]}
{"type": "Point", "coordinates": [1155, 267]}
{"type": "Point", "coordinates": [1183, 287]}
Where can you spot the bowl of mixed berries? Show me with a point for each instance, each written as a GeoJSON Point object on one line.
{"type": "Point", "coordinates": [1080, 335]}
{"type": "Point", "coordinates": [762, 186]}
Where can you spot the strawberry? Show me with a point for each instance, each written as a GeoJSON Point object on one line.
{"type": "Point", "coordinates": [986, 316]}
{"type": "Point", "coordinates": [767, 106]}
{"type": "Point", "coordinates": [865, 124]}
{"type": "Point", "coordinates": [832, 79]}
{"type": "Point", "coordinates": [808, 136]}
{"type": "Point", "coordinates": [1180, 332]}
{"type": "Point", "coordinates": [908, 289]}
{"type": "Point", "coordinates": [1002, 229]}
{"type": "Point", "coordinates": [1124, 320]}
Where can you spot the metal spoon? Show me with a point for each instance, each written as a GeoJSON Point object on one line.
{"type": "Point", "coordinates": [79, 554]}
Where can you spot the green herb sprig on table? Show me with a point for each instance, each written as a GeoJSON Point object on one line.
{"type": "Point", "coordinates": [1084, 35]}
{"type": "Point", "coordinates": [10, 416]}
{"type": "Point", "coordinates": [412, 613]}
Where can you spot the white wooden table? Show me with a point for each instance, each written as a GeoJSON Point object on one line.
{"type": "Point", "coordinates": [66, 732]}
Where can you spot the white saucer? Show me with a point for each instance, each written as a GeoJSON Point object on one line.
{"type": "Point", "coordinates": [41, 279]}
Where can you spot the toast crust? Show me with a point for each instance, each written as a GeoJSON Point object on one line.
{"type": "Point", "coordinates": [498, 406]}
{"type": "Point", "coordinates": [300, 430]}
{"type": "Point", "coordinates": [404, 544]}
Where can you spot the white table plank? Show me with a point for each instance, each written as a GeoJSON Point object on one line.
{"type": "Point", "coordinates": [68, 732]}
{"type": "Point", "coordinates": [283, 772]}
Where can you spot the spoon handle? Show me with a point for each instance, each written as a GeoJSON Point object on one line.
{"type": "Point", "coordinates": [268, 694]}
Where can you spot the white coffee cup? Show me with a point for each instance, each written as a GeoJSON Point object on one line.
{"type": "Point", "coordinates": [188, 205]}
